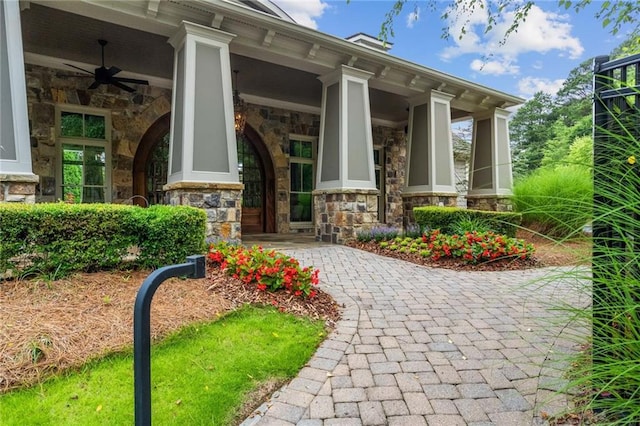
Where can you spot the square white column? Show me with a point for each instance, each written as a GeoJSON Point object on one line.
{"type": "Point", "coordinates": [203, 140]}
{"type": "Point", "coordinates": [15, 147]}
{"type": "Point", "coordinates": [345, 159]}
{"type": "Point", "coordinates": [430, 162]}
{"type": "Point", "coordinates": [490, 171]}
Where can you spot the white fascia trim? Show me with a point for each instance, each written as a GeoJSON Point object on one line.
{"type": "Point", "coordinates": [59, 64]}
{"type": "Point", "coordinates": [277, 103]}
{"type": "Point", "coordinates": [429, 189]}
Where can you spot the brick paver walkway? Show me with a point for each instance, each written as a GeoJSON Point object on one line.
{"type": "Point", "coordinates": [424, 346]}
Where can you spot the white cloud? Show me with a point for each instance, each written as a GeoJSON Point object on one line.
{"type": "Point", "coordinates": [528, 86]}
{"type": "Point", "coordinates": [494, 67]}
{"type": "Point", "coordinates": [542, 32]}
{"type": "Point", "coordinates": [413, 17]}
{"type": "Point", "coordinates": [304, 12]}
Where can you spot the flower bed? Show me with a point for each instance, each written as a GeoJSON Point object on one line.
{"type": "Point", "coordinates": [268, 270]}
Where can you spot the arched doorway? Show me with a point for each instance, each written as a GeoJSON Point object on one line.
{"type": "Point", "coordinates": [150, 167]}
{"type": "Point", "coordinates": [150, 164]}
{"type": "Point", "coordinates": [257, 174]}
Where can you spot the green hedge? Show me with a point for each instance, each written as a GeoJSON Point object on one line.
{"type": "Point", "coordinates": [444, 218]}
{"type": "Point", "coordinates": [60, 238]}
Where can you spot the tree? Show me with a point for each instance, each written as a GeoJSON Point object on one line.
{"type": "Point", "coordinates": [530, 129]}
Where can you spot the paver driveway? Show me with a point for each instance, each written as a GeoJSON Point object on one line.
{"type": "Point", "coordinates": [425, 346]}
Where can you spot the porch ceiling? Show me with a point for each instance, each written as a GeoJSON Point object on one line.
{"type": "Point", "coordinates": [274, 64]}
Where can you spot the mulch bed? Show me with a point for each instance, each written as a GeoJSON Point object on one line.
{"type": "Point", "coordinates": [449, 263]}
{"type": "Point", "coordinates": [52, 326]}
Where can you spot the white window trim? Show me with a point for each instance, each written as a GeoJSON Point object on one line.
{"type": "Point", "coordinates": [106, 143]}
{"type": "Point", "coordinates": [312, 161]}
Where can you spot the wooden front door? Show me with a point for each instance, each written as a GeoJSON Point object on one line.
{"type": "Point", "coordinates": [251, 173]}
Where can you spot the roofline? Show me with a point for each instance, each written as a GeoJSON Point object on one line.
{"type": "Point", "coordinates": [362, 51]}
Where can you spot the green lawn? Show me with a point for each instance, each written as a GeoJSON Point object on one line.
{"type": "Point", "coordinates": [199, 375]}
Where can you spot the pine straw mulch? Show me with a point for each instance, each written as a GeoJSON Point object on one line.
{"type": "Point", "coordinates": [52, 326]}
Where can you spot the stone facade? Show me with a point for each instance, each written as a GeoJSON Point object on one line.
{"type": "Point", "coordinates": [394, 142]}
{"type": "Point", "coordinates": [416, 200]}
{"type": "Point", "coordinates": [221, 202]}
{"type": "Point", "coordinates": [18, 188]}
{"type": "Point", "coordinates": [274, 126]}
{"type": "Point", "coordinates": [490, 203]}
{"type": "Point", "coordinates": [131, 115]}
{"type": "Point", "coordinates": [340, 214]}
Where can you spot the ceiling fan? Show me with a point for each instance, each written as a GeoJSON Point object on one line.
{"type": "Point", "coordinates": [104, 75]}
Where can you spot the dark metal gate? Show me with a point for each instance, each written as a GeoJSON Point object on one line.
{"type": "Point", "coordinates": [616, 222]}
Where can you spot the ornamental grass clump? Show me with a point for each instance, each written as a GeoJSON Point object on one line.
{"type": "Point", "coordinates": [268, 270]}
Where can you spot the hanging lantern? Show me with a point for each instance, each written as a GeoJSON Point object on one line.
{"type": "Point", "coordinates": [239, 108]}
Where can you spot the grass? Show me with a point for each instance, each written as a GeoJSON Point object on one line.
{"type": "Point", "coordinates": [559, 201]}
{"type": "Point", "coordinates": [200, 375]}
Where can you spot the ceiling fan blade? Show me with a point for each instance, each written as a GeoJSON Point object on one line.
{"type": "Point", "coordinates": [131, 80]}
{"type": "Point", "coordinates": [121, 86]}
{"type": "Point", "coordinates": [113, 71]}
{"type": "Point", "coordinates": [78, 68]}
{"type": "Point", "coordinates": [94, 85]}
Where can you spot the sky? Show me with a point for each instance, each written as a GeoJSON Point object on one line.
{"type": "Point", "coordinates": [547, 46]}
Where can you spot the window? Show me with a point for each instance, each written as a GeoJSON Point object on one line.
{"type": "Point", "coordinates": [301, 156]}
{"type": "Point", "coordinates": [84, 161]}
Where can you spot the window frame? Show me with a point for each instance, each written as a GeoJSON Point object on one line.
{"type": "Point", "coordinates": [302, 160]}
{"type": "Point", "coordinates": [83, 141]}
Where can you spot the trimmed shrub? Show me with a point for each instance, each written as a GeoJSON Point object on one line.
{"type": "Point", "coordinates": [60, 238]}
{"type": "Point", "coordinates": [447, 219]}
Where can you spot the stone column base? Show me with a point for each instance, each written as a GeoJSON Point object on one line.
{"type": "Point", "coordinates": [15, 188]}
{"type": "Point", "coordinates": [221, 201]}
{"type": "Point", "coordinates": [410, 201]}
{"type": "Point", "coordinates": [495, 203]}
{"type": "Point", "coordinates": [340, 213]}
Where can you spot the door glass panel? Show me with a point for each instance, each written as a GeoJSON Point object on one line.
{"type": "Point", "coordinates": [250, 174]}
{"type": "Point", "coordinates": [157, 171]}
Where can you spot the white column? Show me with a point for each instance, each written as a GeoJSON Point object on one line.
{"type": "Point", "coordinates": [203, 139]}
{"type": "Point", "coordinates": [430, 162]}
{"type": "Point", "coordinates": [490, 171]}
{"type": "Point", "coordinates": [15, 148]}
{"type": "Point", "coordinates": [345, 159]}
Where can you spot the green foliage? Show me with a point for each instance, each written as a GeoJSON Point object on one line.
{"type": "Point", "coordinates": [201, 375]}
{"type": "Point", "coordinates": [476, 247]}
{"type": "Point", "coordinates": [267, 270]}
{"type": "Point", "coordinates": [469, 224]}
{"type": "Point", "coordinates": [61, 238]}
{"type": "Point", "coordinates": [530, 129]}
{"type": "Point", "coordinates": [469, 247]}
{"type": "Point", "coordinates": [558, 201]}
{"type": "Point", "coordinates": [581, 152]}
{"type": "Point", "coordinates": [446, 218]}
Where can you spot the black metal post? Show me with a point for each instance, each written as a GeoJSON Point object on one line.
{"type": "Point", "coordinates": [195, 268]}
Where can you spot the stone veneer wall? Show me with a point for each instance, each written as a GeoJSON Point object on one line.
{"type": "Point", "coordinates": [394, 142]}
{"type": "Point", "coordinates": [131, 115]}
{"type": "Point", "coordinates": [274, 126]}
{"type": "Point", "coordinates": [490, 203]}
{"type": "Point", "coordinates": [16, 188]}
{"type": "Point", "coordinates": [221, 202]}
{"type": "Point", "coordinates": [339, 215]}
